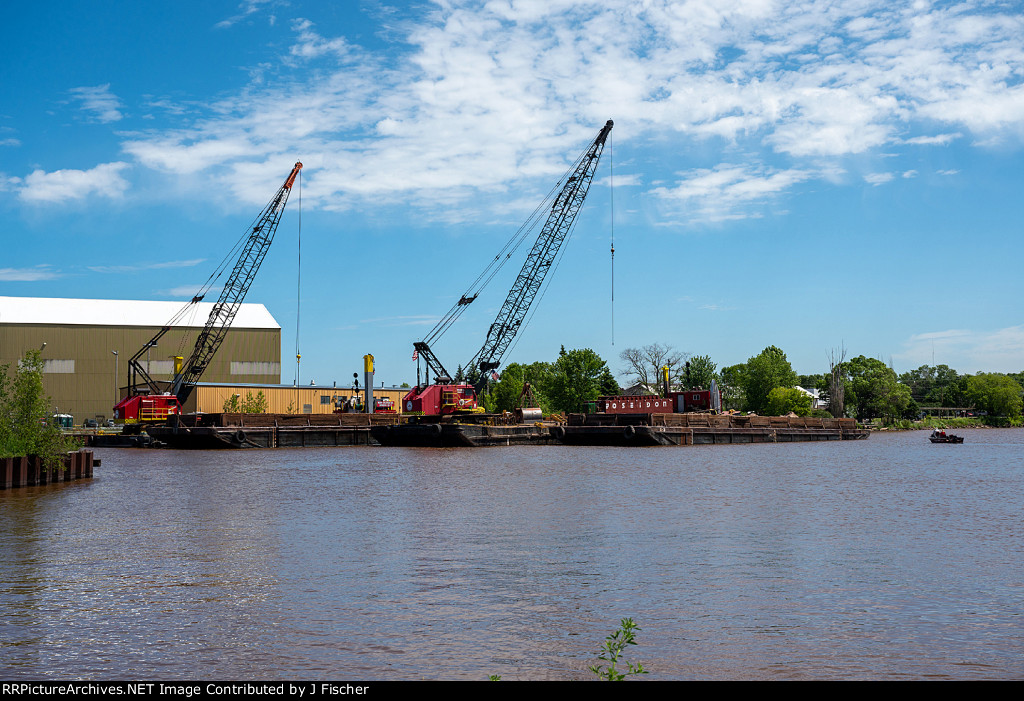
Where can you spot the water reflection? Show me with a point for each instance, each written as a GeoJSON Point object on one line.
{"type": "Point", "coordinates": [882, 558]}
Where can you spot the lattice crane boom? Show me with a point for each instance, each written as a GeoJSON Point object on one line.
{"type": "Point", "coordinates": [545, 250]}
{"type": "Point", "coordinates": [234, 291]}
{"type": "Point", "coordinates": [444, 396]}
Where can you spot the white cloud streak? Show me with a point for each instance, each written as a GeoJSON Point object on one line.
{"type": "Point", "coordinates": [102, 104]}
{"type": "Point", "coordinates": [148, 266]}
{"type": "Point", "coordinates": [967, 350]}
{"type": "Point", "coordinates": [41, 272]}
{"type": "Point", "coordinates": [481, 97]}
{"type": "Point", "coordinates": [190, 290]}
{"type": "Point", "coordinates": [40, 187]}
{"type": "Point", "coordinates": [728, 191]}
{"type": "Point", "coordinates": [245, 10]}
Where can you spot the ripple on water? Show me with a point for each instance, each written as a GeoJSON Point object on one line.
{"type": "Point", "coordinates": [886, 558]}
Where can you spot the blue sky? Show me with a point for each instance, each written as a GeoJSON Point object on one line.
{"type": "Point", "coordinates": [804, 174]}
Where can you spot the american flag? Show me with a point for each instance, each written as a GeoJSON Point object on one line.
{"type": "Point", "coordinates": [494, 376]}
{"type": "Point", "coordinates": [415, 354]}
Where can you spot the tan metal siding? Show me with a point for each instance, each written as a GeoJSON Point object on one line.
{"type": "Point", "coordinates": [281, 399]}
{"type": "Point", "coordinates": [90, 391]}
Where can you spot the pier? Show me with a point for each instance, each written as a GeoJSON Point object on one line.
{"type": "Point", "coordinates": [29, 471]}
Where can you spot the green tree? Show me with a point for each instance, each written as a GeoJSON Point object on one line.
{"type": "Point", "coordinates": [734, 380]}
{"type": "Point", "coordinates": [766, 371]}
{"type": "Point", "coordinates": [809, 381]}
{"type": "Point", "coordinates": [255, 404]}
{"type": "Point", "coordinates": [26, 426]}
{"type": "Point", "coordinates": [231, 405]}
{"type": "Point", "coordinates": [504, 394]}
{"type": "Point", "coordinates": [701, 372]}
{"type": "Point", "coordinates": [875, 390]}
{"type": "Point", "coordinates": [995, 393]}
{"type": "Point", "coordinates": [607, 385]}
{"type": "Point", "coordinates": [576, 379]}
{"type": "Point", "coordinates": [934, 385]}
{"type": "Point", "coordinates": [785, 400]}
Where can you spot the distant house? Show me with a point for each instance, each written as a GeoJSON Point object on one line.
{"type": "Point", "coordinates": [815, 394]}
{"type": "Point", "coordinates": [640, 390]}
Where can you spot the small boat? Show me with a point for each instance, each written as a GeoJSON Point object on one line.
{"type": "Point", "coordinates": [943, 437]}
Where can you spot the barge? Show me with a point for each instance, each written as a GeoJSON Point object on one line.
{"type": "Point", "coordinates": [701, 429]}
{"type": "Point", "coordinates": [455, 435]}
{"type": "Point", "coordinates": [235, 430]}
{"type": "Point", "coordinates": [620, 429]}
{"type": "Point", "coordinates": [231, 430]}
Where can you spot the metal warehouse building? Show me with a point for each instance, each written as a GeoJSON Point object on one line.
{"type": "Point", "coordinates": [86, 344]}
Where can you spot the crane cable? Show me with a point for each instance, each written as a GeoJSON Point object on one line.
{"type": "Point", "coordinates": [611, 201]}
{"type": "Point", "coordinates": [503, 256]}
{"type": "Point", "coordinates": [492, 269]}
{"type": "Point", "coordinates": [554, 269]}
{"type": "Point", "coordinates": [298, 289]}
{"type": "Point", "coordinates": [555, 263]}
{"type": "Point", "coordinates": [225, 264]}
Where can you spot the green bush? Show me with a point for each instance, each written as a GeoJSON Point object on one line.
{"type": "Point", "coordinates": [248, 405]}
{"type": "Point", "coordinates": [26, 424]}
{"type": "Point", "coordinates": [614, 645]}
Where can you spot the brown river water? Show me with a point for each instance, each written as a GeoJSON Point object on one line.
{"type": "Point", "coordinates": [889, 558]}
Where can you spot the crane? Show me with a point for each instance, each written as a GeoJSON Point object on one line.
{"type": "Point", "coordinates": [146, 400]}
{"type": "Point", "coordinates": [444, 397]}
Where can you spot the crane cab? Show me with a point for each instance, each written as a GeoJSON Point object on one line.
{"type": "Point", "coordinates": [435, 400]}
{"type": "Point", "coordinates": [147, 408]}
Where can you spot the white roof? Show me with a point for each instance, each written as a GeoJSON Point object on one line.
{"type": "Point", "coordinates": [122, 312]}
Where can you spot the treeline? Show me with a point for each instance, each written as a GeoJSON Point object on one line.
{"type": "Point", "coordinates": [27, 426]}
{"type": "Point", "coordinates": [860, 387]}
{"type": "Point", "coordinates": [566, 384]}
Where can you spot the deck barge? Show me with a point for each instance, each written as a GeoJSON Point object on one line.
{"type": "Point", "coordinates": [236, 430]}
{"type": "Point", "coordinates": [213, 431]}
{"type": "Point", "coordinates": [622, 430]}
{"type": "Point", "coordinates": [701, 429]}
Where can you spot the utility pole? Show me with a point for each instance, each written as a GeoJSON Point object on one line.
{"type": "Point", "coordinates": [116, 393]}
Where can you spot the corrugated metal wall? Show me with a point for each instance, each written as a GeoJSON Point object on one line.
{"type": "Point", "coordinates": [284, 399]}
{"type": "Point", "coordinates": [89, 391]}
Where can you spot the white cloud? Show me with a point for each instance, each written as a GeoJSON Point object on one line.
{"type": "Point", "coordinates": [877, 179]}
{"type": "Point", "coordinates": [728, 191]}
{"type": "Point", "coordinates": [40, 272]}
{"type": "Point", "coordinates": [40, 187]}
{"type": "Point", "coordinates": [147, 266]}
{"type": "Point", "coordinates": [413, 320]}
{"type": "Point", "coordinates": [484, 97]}
{"type": "Point", "coordinates": [934, 140]}
{"type": "Point", "coordinates": [967, 350]}
{"type": "Point", "coordinates": [311, 45]}
{"type": "Point", "coordinates": [247, 9]}
{"type": "Point", "coordinates": [98, 100]}
{"type": "Point", "coordinates": [190, 290]}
